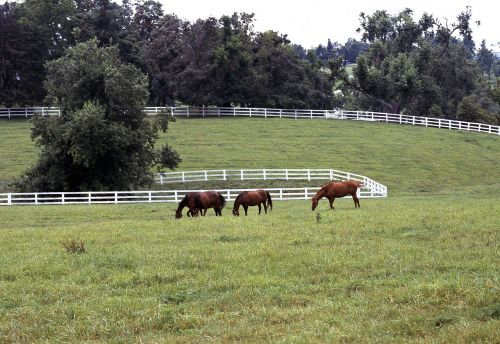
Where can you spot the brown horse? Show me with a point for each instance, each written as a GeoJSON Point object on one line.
{"type": "Point", "coordinates": [209, 199]}
{"type": "Point", "coordinates": [251, 198]}
{"type": "Point", "coordinates": [187, 201]}
{"type": "Point", "coordinates": [333, 190]}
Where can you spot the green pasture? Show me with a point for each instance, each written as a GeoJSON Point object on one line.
{"type": "Point", "coordinates": [421, 266]}
{"type": "Point", "coordinates": [402, 269]}
{"type": "Point", "coordinates": [409, 160]}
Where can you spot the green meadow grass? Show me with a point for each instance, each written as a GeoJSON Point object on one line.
{"type": "Point", "coordinates": [419, 266]}
{"type": "Point", "coordinates": [402, 269]}
{"type": "Point", "coordinates": [17, 151]}
{"type": "Point", "coordinates": [409, 160]}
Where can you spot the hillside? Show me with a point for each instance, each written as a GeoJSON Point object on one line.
{"type": "Point", "coordinates": [409, 160]}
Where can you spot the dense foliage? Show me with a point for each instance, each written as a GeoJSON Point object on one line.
{"type": "Point", "coordinates": [420, 67]}
{"type": "Point", "coordinates": [102, 140]}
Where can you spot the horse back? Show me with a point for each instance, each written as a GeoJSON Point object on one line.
{"type": "Point", "coordinates": [209, 199]}
{"type": "Point", "coordinates": [341, 189]}
{"type": "Point", "coordinates": [255, 197]}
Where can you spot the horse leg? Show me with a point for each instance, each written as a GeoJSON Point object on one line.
{"type": "Point", "coordinates": [356, 201]}
{"type": "Point", "coordinates": [259, 208]}
{"type": "Point", "coordinates": [265, 207]}
{"type": "Point", "coordinates": [246, 209]}
{"type": "Point", "coordinates": [331, 200]}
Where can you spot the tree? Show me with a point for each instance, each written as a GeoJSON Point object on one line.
{"type": "Point", "coordinates": [352, 49]}
{"type": "Point", "coordinates": [102, 140]}
{"type": "Point", "coordinates": [415, 66]}
{"type": "Point", "coordinates": [147, 16]}
{"type": "Point", "coordinates": [485, 59]}
{"type": "Point", "coordinates": [110, 23]}
{"type": "Point", "coordinates": [22, 55]}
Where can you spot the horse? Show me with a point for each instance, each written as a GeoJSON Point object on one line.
{"type": "Point", "coordinates": [187, 201]}
{"type": "Point", "coordinates": [251, 198]}
{"type": "Point", "coordinates": [209, 199]}
{"type": "Point", "coordinates": [333, 190]}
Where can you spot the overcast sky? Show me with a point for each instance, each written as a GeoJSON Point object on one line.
{"type": "Point", "coordinates": [312, 22]}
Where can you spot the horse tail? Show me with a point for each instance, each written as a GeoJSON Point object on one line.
{"type": "Point", "coordinates": [270, 202]}
{"type": "Point", "coordinates": [222, 201]}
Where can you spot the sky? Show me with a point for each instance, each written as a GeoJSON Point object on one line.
{"type": "Point", "coordinates": [311, 22]}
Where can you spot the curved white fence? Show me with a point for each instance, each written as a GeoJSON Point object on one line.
{"type": "Point", "coordinates": [288, 113]}
{"type": "Point", "coordinates": [372, 187]}
{"type": "Point", "coordinates": [256, 174]}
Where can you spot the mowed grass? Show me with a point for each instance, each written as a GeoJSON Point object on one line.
{"type": "Point", "coordinates": [402, 269]}
{"type": "Point", "coordinates": [409, 160]}
{"type": "Point", "coordinates": [419, 266]}
{"type": "Point", "coordinates": [17, 151]}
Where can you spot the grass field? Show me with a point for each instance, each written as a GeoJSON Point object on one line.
{"type": "Point", "coordinates": [419, 266]}
{"type": "Point", "coordinates": [409, 160]}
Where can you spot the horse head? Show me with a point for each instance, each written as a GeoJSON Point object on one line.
{"type": "Point", "coordinates": [178, 214]}
{"type": "Point", "coordinates": [314, 203]}
{"type": "Point", "coordinates": [236, 212]}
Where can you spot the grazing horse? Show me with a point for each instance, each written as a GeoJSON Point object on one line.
{"type": "Point", "coordinates": [251, 198]}
{"type": "Point", "coordinates": [209, 199]}
{"type": "Point", "coordinates": [187, 201]}
{"type": "Point", "coordinates": [333, 190]}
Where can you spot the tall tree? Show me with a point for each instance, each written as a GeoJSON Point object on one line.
{"type": "Point", "coordinates": [146, 17]}
{"type": "Point", "coordinates": [110, 23]}
{"type": "Point", "coordinates": [485, 59]}
{"type": "Point", "coordinates": [102, 140]}
{"type": "Point", "coordinates": [22, 55]}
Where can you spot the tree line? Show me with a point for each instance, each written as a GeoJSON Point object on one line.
{"type": "Point", "coordinates": [418, 66]}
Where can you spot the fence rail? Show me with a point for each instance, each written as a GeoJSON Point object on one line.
{"type": "Point", "coordinates": [163, 196]}
{"type": "Point", "coordinates": [29, 112]}
{"type": "Point", "coordinates": [267, 174]}
{"type": "Point", "coordinates": [288, 113]}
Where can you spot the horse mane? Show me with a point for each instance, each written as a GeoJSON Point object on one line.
{"type": "Point", "coordinates": [240, 195]}
{"type": "Point", "coordinates": [184, 202]}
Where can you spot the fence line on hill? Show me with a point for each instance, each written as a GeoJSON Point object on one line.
{"type": "Point", "coordinates": [266, 174]}
{"type": "Point", "coordinates": [369, 116]}
{"type": "Point", "coordinates": [161, 196]}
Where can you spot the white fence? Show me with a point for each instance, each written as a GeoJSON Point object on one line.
{"type": "Point", "coordinates": [174, 196]}
{"type": "Point", "coordinates": [370, 189]}
{"type": "Point", "coordinates": [28, 112]}
{"type": "Point", "coordinates": [267, 174]}
{"type": "Point", "coordinates": [290, 113]}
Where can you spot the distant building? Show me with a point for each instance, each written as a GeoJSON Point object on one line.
{"type": "Point", "coordinates": [496, 54]}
